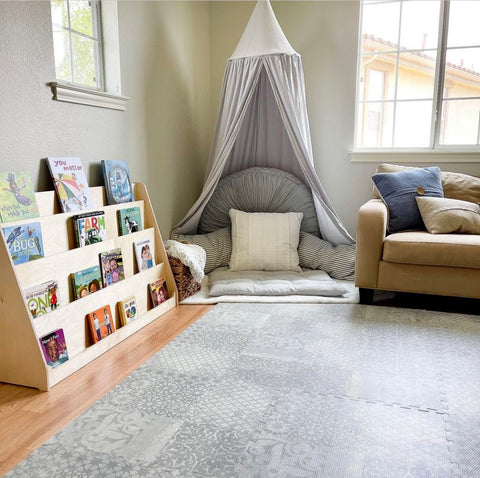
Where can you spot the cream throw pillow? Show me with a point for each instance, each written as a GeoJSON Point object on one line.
{"type": "Point", "coordinates": [445, 215]}
{"type": "Point", "coordinates": [264, 241]}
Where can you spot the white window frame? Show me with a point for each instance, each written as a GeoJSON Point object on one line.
{"type": "Point", "coordinates": [435, 152]}
{"type": "Point", "coordinates": [110, 96]}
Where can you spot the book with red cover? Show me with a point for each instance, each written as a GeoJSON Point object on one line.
{"type": "Point", "coordinates": [101, 323]}
{"type": "Point", "coordinates": [158, 291]}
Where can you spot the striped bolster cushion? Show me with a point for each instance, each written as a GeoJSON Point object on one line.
{"type": "Point", "coordinates": [315, 253]}
{"type": "Point", "coordinates": [217, 245]}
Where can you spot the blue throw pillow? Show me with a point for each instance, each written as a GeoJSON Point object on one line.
{"type": "Point", "coordinates": [399, 190]}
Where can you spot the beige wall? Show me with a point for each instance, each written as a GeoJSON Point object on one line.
{"type": "Point", "coordinates": [173, 56]}
{"type": "Point", "coordinates": [163, 134]}
{"type": "Point", "coordinates": [165, 69]}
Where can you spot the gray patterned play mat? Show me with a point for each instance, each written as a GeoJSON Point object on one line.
{"type": "Point", "coordinates": [291, 390]}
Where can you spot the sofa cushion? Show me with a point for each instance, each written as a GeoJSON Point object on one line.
{"type": "Point", "coordinates": [455, 185]}
{"type": "Point", "coordinates": [423, 248]}
{"type": "Point", "coordinates": [399, 190]}
{"type": "Point", "coordinates": [445, 215]}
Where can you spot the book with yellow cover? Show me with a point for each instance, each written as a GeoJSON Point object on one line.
{"type": "Point", "coordinates": [127, 309]}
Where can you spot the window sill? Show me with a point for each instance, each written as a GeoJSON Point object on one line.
{"type": "Point", "coordinates": [84, 96]}
{"type": "Point", "coordinates": [416, 156]}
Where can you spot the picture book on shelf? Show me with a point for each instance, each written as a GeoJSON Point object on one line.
{"type": "Point", "coordinates": [54, 348]}
{"type": "Point", "coordinates": [144, 254]}
{"type": "Point", "coordinates": [112, 266]}
{"type": "Point", "coordinates": [118, 185]}
{"type": "Point", "coordinates": [24, 242]}
{"type": "Point", "coordinates": [42, 298]}
{"type": "Point", "coordinates": [100, 323]}
{"type": "Point", "coordinates": [17, 197]}
{"type": "Point", "coordinates": [89, 228]}
{"type": "Point", "coordinates": [127, 309]}
{"type": "Point", "coordinates": [158, 291]}
{"type": "Point", "coordinates": [129, 220]}
{"type": "Point", "coordinates": [70, 184]}
{"type": "Point", "coordinates": [86, 281]}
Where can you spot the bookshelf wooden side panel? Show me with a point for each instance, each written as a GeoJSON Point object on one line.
{"type": "Point", "coordinates": [21, 359]}
{"type": "Point", "coordinates": [140, 192]}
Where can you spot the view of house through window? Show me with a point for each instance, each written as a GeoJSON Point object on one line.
{"type": "Point", "coordinates": [419, 74]}
{"type": "Point", "coordinates": [77, 42]}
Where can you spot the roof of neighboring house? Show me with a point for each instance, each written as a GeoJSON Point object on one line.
{"type": "Point", "coordinates": [420, 54]}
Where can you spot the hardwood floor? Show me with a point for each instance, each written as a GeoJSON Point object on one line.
{"type": "Point", "coordinates": [29, 417]}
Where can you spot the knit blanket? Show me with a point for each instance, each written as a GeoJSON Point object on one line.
{"type": "Point", "coordinates": [191, 255]}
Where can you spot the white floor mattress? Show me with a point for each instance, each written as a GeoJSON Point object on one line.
{"type": "Point", "coordinates": [273, 287]}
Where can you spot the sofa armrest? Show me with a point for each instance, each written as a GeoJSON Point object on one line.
{"type": "Point", "coordinates": [371, 232]}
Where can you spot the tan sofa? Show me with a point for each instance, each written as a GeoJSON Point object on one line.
{"type": "Point", "coordinates": [417, 261]}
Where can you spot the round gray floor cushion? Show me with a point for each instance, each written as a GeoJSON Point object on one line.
{"type": "Point", "coordinates": [259, 190]}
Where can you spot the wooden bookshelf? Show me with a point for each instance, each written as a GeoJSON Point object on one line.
{"type": "Point", "coordinates": [21, 357]}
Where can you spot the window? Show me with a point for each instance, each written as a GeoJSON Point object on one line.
{"type": "Point", "coordinates": [86, 51]}
{"type": "Point", "coordinates": [418, 82]}
{"type": "Point", "coordinates": [77, 42]}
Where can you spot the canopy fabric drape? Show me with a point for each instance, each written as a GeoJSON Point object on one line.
{"type": "Point", "coordinates": [263, 121]}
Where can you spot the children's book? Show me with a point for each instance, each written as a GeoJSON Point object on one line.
{"type": "Point", "coordinates": [17, 197]}
{"type": "Point", "coordinates": [86, 281]}
{"type": "Point", "coordinates": [112, 266]}
{"type": "Point", "coordinates": [89, 228]}
{"type": "Point", "coordinates": [118, 186]}
{"type": "Point", "coordinates": [42, 298]}
{"type": "Point", "coordinates": [127, 309]}
{"type": "Point", "coordinates": [54, 348]}
{"type": "Point", "coordinates": [144, 254]}
{"type": "Point", "coordinates": [100, 323]}
{"type": "Point", "coordinates": [158, 291]}
{"type": "Point", "coordinates": [24, 242]}
{"type": "Point", "coordinates": [129, 220]}
{"type": "Point", "coordinates": [70, 184]}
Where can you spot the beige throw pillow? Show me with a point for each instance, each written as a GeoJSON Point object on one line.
{"type": "Point", "coordinates": [265, 241]}
{"type": "Point", "coordinates": [445, 215]}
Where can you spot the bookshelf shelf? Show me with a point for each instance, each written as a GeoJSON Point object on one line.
{"type": "Point", "coordinates": [21, 357]}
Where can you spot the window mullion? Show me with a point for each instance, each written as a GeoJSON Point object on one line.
{"type": "Point", "coordinates": [70, 44]}
{"type": "Point", "coordinates": [97, 25]}
{"type": "Point", "coordinates": [396, 76]}
{"type": "Point", "coordinates": [440, 75]}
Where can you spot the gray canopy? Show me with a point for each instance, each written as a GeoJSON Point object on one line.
{"type": "Point", "coordinates": [262, 120]}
